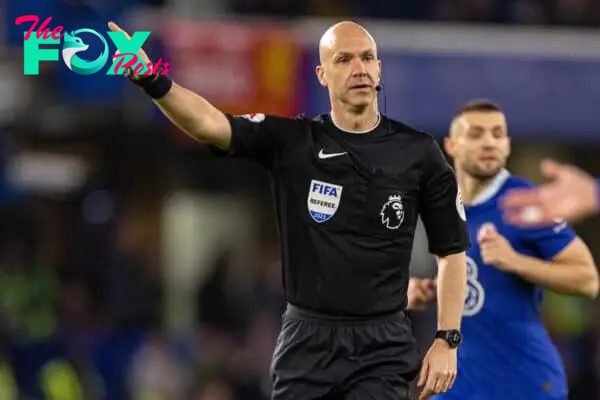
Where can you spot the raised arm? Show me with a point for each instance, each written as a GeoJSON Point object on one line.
{"type": "Point", "coordinates": [189, 111]}
{"type": "Point", "coordinates": [195, 116]}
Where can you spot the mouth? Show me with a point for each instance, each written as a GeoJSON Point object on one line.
{"type": "Point", "coordinates": [488, 159]}
{"type": "Point", "coordinates": [360, 86]}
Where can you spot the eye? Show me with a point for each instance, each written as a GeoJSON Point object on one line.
{"type": "Point", "coordinates": [474, 134]}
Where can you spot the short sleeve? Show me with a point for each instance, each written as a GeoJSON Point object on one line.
{"type": "Point", "coordinates": [256, 137]}
{"type": "Point", "coordinates": [441, 206]}
{"type": "Point", "coordinates": [548, 241]}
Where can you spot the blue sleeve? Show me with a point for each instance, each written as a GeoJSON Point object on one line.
{"type": "Point", "coordinates": [550, 240]}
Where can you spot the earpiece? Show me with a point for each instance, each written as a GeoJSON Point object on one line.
{"type": "Point", "coordinates": [379, 85]}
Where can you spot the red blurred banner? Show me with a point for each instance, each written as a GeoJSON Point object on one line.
{"type": "Point", "coordinates": [239, 67]}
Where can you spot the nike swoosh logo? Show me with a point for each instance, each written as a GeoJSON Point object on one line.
{"type": "Point", "coordinates": [323, 156]}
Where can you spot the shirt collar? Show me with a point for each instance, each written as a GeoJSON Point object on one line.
{"type": "Point", "coordinates": [493, 189]}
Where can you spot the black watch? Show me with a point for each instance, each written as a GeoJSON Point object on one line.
{"type": "Point", "coordinates": [452, 337]}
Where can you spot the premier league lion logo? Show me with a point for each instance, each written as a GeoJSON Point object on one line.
{"type": "Point", "coordinates": [392, 212]}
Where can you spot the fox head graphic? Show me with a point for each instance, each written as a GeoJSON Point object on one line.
{"type": "Point", "coordinates": [73, 45]}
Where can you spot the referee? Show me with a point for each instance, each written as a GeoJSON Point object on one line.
{"type": "Point", "coordinates": [349, 186]}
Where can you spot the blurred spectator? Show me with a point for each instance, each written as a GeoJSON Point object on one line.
{"type": "Point", "coordinates": [156, 373]}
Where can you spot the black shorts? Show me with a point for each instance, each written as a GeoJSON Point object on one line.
{"type": "Point", "coordinates": [317, 357]}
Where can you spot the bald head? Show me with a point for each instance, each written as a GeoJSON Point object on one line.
{"type": "Point", "coordinates": [349, 66]}
{"type": "Point", "coordinates": [340, 35]}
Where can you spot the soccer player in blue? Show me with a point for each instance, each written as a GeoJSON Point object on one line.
{"type": "Point", "coordinates": [506, 353]}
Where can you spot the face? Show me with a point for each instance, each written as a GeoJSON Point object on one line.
{"type": "Point", "coordinates": [350, 69]}
{"type": "Point", "coordinates": [479, 143]}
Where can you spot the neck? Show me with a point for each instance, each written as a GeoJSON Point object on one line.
{"type": "Point", "coordinates": [470, 186]}
{"type": "Point", "coordinates": [353, 120]}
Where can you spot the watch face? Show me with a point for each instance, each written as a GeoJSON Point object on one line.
{"type": "Point", "coordinates": [454, 338]}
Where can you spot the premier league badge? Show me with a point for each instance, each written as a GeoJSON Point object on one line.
{"type": "Point", "coordinates": [392, 212]}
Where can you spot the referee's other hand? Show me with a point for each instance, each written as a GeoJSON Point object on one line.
{"type": "Point", "coordinates": [438, 371]}
{"type": "Point", "coordinates": [420, 293]}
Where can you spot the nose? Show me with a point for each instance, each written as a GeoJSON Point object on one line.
{"type": "Point", "coordinates": [358, 67]}
{"type": "Point", "coordinates": [489, 140]}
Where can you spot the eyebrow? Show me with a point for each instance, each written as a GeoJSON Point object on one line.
{"type": "Point", "coordinates": [481, 127]}
{"type": "Point", "coordinates": [347, 53]}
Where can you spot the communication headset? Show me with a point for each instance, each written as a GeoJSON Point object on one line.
{"type": "Point", "coordinates": [379, 85]}
{"type": "Point", "coordinates": [378, 89]}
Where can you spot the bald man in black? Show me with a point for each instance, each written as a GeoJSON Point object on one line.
{"type": "Point", "coordinates": [349, 186]}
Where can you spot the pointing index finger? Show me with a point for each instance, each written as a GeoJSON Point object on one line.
{"type": "Point", "coordinates": [116, 28]}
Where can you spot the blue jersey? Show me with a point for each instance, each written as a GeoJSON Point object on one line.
{"type": "Point", "coordinates": [506, 352]}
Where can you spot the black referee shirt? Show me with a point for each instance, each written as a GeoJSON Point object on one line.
{"type": "Point", "coordinates": [347, 207]}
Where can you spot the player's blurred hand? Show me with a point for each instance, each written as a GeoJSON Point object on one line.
{"type": "Point", "coordinates": [143, 56]}
{"type": "Point", "coordinates": [571, 194]}
{"type": "Point", "coordinates": [495, 249]}
{"type": "Point", "coordinates": [438, 371]}
{"type": "Point", "coordinates": [420, 293]}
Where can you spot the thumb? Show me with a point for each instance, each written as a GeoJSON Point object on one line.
{"type": "Point", "coordinates": [423, 374]}
{"type": "Point", "coordinates": [486, 231]}
{"type": "Point", "coordinates": [550, 169]}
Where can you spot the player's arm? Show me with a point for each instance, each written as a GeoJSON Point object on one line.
{"type": "Point", "coordinates": [572, 271]}
{"type": "Point", "coordinates": [563, 262]}
{"type": "Point", "coordinates": [421, 292]}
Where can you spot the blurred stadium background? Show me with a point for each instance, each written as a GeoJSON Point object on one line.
{"type": "Point", "coordinates": [135, 266]}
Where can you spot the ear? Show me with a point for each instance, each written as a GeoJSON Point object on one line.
{"type": "Point", "coordinates": [321, 75]}
{"type": "Point", "coordinates": [508, 147]}
{"type": "Point", "coordinates": [449, 146]}
{"type": "Point", "coordinates": [380, 76]}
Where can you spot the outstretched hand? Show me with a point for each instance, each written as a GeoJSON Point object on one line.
{"type": "Point", "coordinates": [142, 55]}
{"type": "Point", "coordinates": [569, 194]}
